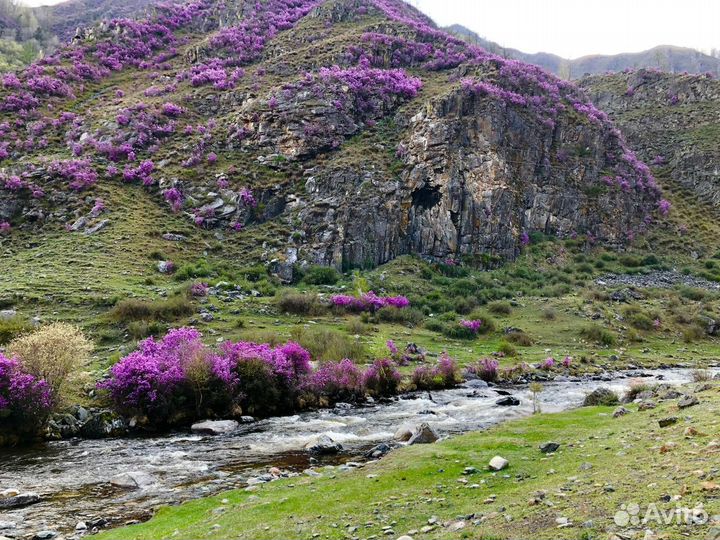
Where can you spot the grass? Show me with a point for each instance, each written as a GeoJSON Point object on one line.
{"type": "Point", "coordinates": [584, 481]}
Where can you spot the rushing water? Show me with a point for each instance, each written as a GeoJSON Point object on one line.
{"type": "Point", "coordinates": [73, 477]}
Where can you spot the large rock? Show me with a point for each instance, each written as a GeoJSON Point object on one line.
{"type": "Point", "coordinates": [498, 463]}
{"type": "Point", "coordinates": [687, 401]}
{"type": "Point", "coordinates": [19, 500]}
{"type": "Point", "coordinates": [601, 396]}
{"type": "Point", "coordinates": [323, 445]}
{"type": "Point", "coordinates": [423, 434]}
{"type": "Point", "coordinates": [549, 447]}
{"type": "Point", "coordinates": [214, 427]}
{"type": "Point", "coordinates": [132, 480]}
{"type": "Point", "coordinates": [508, 401]}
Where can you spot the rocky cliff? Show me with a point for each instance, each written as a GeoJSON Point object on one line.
{"type": "Point", "coordinates": [356, 128]}
{"type": "Point", "coordinates": [672, 121]}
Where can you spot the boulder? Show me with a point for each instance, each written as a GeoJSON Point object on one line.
{"type": "Point", "coordinates": [19, 500]}
{"type": "Point", "coordinates": [620, 411]}
{"type": "Point", "coordinates": [549, 447]}
{"type": "Point", "coordinates": [508, 401]}
{"type": "Point", "coordinates": [688, 401]}
{"type": "Point", "coordinates": [669, 421]}
{"type": "Point", "coordinates": [323, 445]}
{"type": "Point", "coordinates": [423, 434]}
{"type": "Point", "coordinates": [498, 463]}
{"type": "Point", "coordinates": [214, 427]}
{"type": "Point", "coordinates": [403, 433]}
{"type": "Point", "coordinates": [132, 480]}
{"type": "Point", "coordinates": [601, 396]}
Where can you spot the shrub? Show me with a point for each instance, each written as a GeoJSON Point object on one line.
{"type": "Point", "coordinates": [507, 349]}
{"type": "Point", "coordinates": [382, 378]}
{"type": "Point", "coordinates": [635, 390]}
{"type": "Point", "coordinates": [337, 381]}
{"type": "Point", "coordinates": [52, 353]}
{"type": "Point", "coordinates": [391, 314]}
{"type": "Point", "coordinates": [488, 323]}
{"type": "Point", "coordinates": [143, 329]}
{"type": "Point", "coordinates": [598, 334]}
{"type": "Point", "coordinates": [355, 327]}
{"type": "Point", "coordinates": [485, 369]}
{"type": "Point", "coordinates": [328, 345]}
{"type": "Point", "coordinates": [25, 399]}
{"type": "Point", "coordinates": [368, 302]}
{"type": "Point", "coordinates": [701, 375]}
{"type": "Point", "coordinates": [167, 310]}
{"type": "Point", "coordinates": [500, 308]}
{"type": "Point", "coordinates": [443, 375]}
{"type": "Point", "coordinates": [301, 304]}
{"type": "Point", "coordinates": [549, 314]}
{"type": "Point", "coordinates": [321, 275]}
{"type": "Point", "coordinates": [13, 327]}
{"type": "Point", "coordinates": [520, 339]}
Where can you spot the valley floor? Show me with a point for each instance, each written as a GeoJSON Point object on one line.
{"type": "Point", "coordinates": [612, 477]}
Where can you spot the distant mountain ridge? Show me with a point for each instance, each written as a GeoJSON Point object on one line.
{"type": "Point", "coordinates": [667, 58]}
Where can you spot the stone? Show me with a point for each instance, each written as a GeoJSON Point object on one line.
{"type": "Point", "coordinates": [498, 463]}
{"type": "Point", "coordinates": [423, 434]}
{"type": "Point", "coordinates": [165, 267]}
{"type": "Point", "coordinates": [214, 427]}
{"type": "Point", "coordinates": [378, 451]}
{"type": "Point", "coordinates": [477, 384]}
{"type": "Point", "coordinates": [19, 500]}
{"type": "Point", "coordinates": [45, 535]}
{"type": "Point", "coordinates": [601, 396]}
{"type": "Point", "coordinates": [6, 314]}
{"type": "Point", "coordinates": [132, 480]}
{"type": "Point", "coordinates": [403, 433]}
{"type": "Point", "coordinates": [170, 237]}
{"type": "Point", "coordinates": [669, 421]}
{"type": "Point", "coordinates": [81, 526]}
{"type": "Point", "coordinates": [323, 445]}
{"type": "Point", "coordinates": [549, 447]}
{"type": "Point", "coordinates": [688, 401]}
{"type": "Point", "coordinates": [620, 411]}
{"type": "Point", "coordinates": [508, 401]}
{"type": "Point", "coordinates": [646, 405]}
{"type": "Point", "coordinates": [405, 537]}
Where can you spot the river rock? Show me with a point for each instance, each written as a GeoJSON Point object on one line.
{"type": "Point", "coordinates": [620, 411]}
{"type": "Point", "coordinates": [669, 421]}
{"type": "Point", "coordinates": [549, 447]}
{"type": "Point", "coordinates": [45, 535]}
{"type": "Point", "coordinates": [476, 383]}
{"type": "Point", "coordinates": [601, 396]}
{"type": "Point", "coordinates": [323, 445]}
{"type": "Point", "coordinates": [132, 480]}
{"type": "Point", "coordinates": [214, 427]}
{"type": "Point", "coordinates": [423, 434]}
{"type": "Point", "coordinates": [378, 451]}
{"type": "Point", "coordinates": [403, 433]}
{"type": "Point", "coordinates": [498, 463]}
{"type": "Point", "coordinates": [687, 401]}
{"type": "Point", "coordinates": [19, 500]}
{"type": "Point", "coordinates": [508, 401]}
{"type": "Point", "coordinates": [103, 424]}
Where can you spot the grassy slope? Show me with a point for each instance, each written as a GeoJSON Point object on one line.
{"type": "Point", "coordinates": [411, 485]}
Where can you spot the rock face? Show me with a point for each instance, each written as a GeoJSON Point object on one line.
{"type": "Point", "coordinates": [476, 176]}
{"type": "Point", "coordinates": [670, 120]}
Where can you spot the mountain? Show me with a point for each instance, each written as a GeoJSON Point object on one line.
{"type": "Point", "coordinates": [296, 120]}
{"type": "Point", "coordinates": [670, 120]}
{"type": "Point", "coordinates": [664, 57]}
{"type": "Point", "coordinates": [27, 33]}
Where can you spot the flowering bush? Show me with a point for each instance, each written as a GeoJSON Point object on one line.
{"type": "Point", "coordinates": [25, 400]}
{"type": "Point", "coordinates": [199, 289]}
{"type": "Point", "coordinates": [368, 302]}
{"type": "Point", "coordinates": [474, 325]}
{"type": "Point", "coordinates": [337, 381]}
{"type": "Point", "coordinates": [548, 363]}
{"type": "Point", "coordinates": [382, 378]}
{"type": "Point", "coordinates": [443, 375]}
{"type": "Point", "coordinates": [485, 369]}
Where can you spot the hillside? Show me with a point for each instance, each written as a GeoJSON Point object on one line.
{"type": "Point", "coordinates": [665, 58]}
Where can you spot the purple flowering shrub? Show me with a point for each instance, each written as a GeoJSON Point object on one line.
{"type": "Point", "coordinates": [445, 374]}
{"type": "Point", "coordinates": [337, 382]}
{"type": "Point", "coordinates": [25, 400]}
{"type": "Point", "coordinates": [485, 369]}
{"type": "Point", "coordinates": [382, 378]}
{"type": "Point", "coordinates": [368, 302]}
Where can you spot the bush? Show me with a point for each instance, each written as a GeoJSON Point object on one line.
{"type": "Point", "coordinates": [168, 310]}
{"type": "Point", "coordinates": [549, 314]}
{"type": "Point", "coordinates": [301, 304]}
{"type": "Point", "coordinates": [328, 345]}
{"type": "Point", "coordinates": [500, 308]}
{"type": "Point", "coordinates": [485, 369]}
{"type": "Point", "coordinates": [337, 381]}
{"type": "Point", "coordinates": [13, 327]}
{"type": "Point", "coordinates": [598, 334]}
{"type": "Point", "coordinates": [355, 327]}
{"type": "Point", "coordinates": [601, 397]}
{"type": "Point", "coordinates": [25, 399]}
{"type": "Point", "coordinates": [52, 353]}
{"type": "Point", "coordinates": [443, 375]}
{"type": "Point", "coordinates": [321, 275]}
{"type": "Point", "coordinates": [521, 339]}
{"type": "Point", "coordinates": [142, 329]}
{"type": "Point", "coordinates": [635, 390]}
{"type": "Point", "coordinates": [390, 314]}
{"type": "Point", "coordinates": [507, 349]}
{"type": "Point", "coordinates": [382, 378]}
{"type": "Point", "coordinates": [701, 375]}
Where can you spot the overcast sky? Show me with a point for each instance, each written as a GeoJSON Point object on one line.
{"type": "Point", "coordinates": [573, 28]}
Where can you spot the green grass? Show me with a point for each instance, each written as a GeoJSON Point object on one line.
{"type": "Point", "coordinates": [407, 488]}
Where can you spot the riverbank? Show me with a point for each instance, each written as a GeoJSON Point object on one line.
{"type": "Point", "coordinates": [76, 484]}
{"type": "Point", "coordinates": [445, 490]}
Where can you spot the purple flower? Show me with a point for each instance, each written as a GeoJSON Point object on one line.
{"type": "Point", "coordinates": [473, 325]}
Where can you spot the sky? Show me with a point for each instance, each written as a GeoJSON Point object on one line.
{"type": "Point", "coordinates": [574, 28]}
